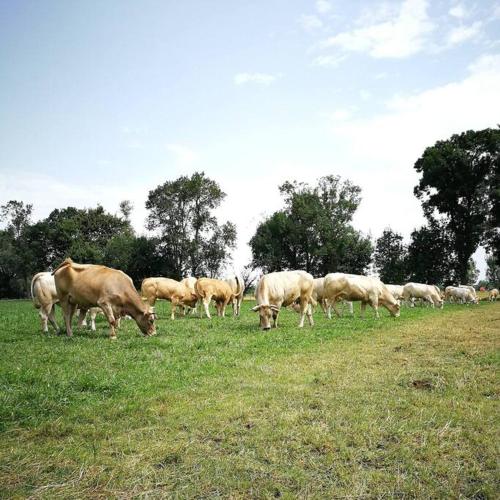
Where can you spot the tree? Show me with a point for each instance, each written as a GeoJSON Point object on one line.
{"type": "Point", "coordinates": [17, 215]}
{"type": "Point", "coordinates": [493, 272]}
{"type": "Point", "coordinates": [430, 258]}
{"type": "Point", "coordinates": [126, 208]}
{"type": "Point", "coordinates": [181, 211]}
{"type": "Point", "coordinates": [390, 257]}
{"type": "Point", "coordinates": [472, 273]}
{"type": "Point", "coordinates": [459, 184]}
{"type": "Point", "coordinates": [313, 231]}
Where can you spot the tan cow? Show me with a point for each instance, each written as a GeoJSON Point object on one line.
{"type": "Point", "coordinates": [88, 285]}
{"type": "Point", "coordinates": [189, 282]}
{"type": "Point", "coordinates": [220, 291]}
{"type": "Point", "coordinates": [238, 288]}
{"type": "Point", "coordinates": [493, 295]}
{"type": "Point", "coordinates": [168, 289]}
{"type": "Point", "coordinates": [365, 289]}
{"type": "Point", "coordinates": [275, 290]}
{"type": "Point", "coordinates": [44, 295]}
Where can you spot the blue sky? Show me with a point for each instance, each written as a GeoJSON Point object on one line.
{"type": "Point", "coordinates": [102, 101]}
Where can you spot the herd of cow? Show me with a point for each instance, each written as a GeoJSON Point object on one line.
{"type": "Point", "coordinates": [93, 288]}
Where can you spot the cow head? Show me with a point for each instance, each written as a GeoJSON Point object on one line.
{"type": "Point", "coordinates": [394, 308]}
{"type": "Point", "coordinates": [265, 313]}
{"type": "Point", "coordinates": [146, 322]}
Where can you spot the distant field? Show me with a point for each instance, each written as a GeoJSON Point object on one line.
{"type": "Point", "coordinates": [352, 408]}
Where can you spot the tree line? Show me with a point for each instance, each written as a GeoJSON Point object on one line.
{"type": "Point", "coordinates": [459, 188]}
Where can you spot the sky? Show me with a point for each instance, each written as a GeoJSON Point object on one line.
{"type": "Point", "coordinates": [104, 101]}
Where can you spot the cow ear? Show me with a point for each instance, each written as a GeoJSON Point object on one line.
{"type": "Point", "coordinates": [275, 308]}
{"type": "Point", "coordinates": [255, 308]}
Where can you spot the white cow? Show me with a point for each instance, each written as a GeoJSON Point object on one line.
{"type": "Point", "coordinates": [237, 285]}
{"type": "Point", "coordinates": [471, 288]}
{"type": "Point", "coordinates": [365, 289]}
{"type": "Point", "coordinates": [461, 294]}
{"type": "Point", "coordinates": [492, 297]}
{"type": "Point", "coordinates": [428, 293]}
{"type": "Point", "coordinates": [44, 295]}
{"type": "Point", "coordinates": [275, 290]}
{"type": "Point", "coordinates": [396, 290]}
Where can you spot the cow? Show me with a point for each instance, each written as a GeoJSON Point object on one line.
{"type": "Point", "coordinates": [428, 293]}
{"type": "Point", "coordinates": [396, 290]}
{"type": "Point", "coordinates": [365, 289]}
{"type": "Point", "coordinates": [493, 294]}
{"type": "Point", "coordinates": [319, 296]}
{"type": "Point", "coordinates": [278, 289]}
{"type": "Point", "coordinates": [168, 289]}
{"type": "Point", "coordinates": [238, 287]}
{"type": "Point", "coordinates": [189, 282]}
{"type": "Point", "coordinates": [89, 285]}
{"type": "Point", "coordinates": [461, 294]}
{"type": "Point", "coordinates": [220, 291]}
{"type": "Point", "coordinates": [44, 296]}
{"type": "Point", "coordinates": [470, 288]}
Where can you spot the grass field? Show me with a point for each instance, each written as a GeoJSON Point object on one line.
{"type": "Point", "coordinates": [352, 408]}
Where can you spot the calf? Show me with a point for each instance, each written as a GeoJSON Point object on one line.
{"type": "Point", "coordinates": [88, 285]}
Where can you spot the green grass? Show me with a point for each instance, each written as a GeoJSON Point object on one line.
{"type": "Point", "coordinates": [351, 408]}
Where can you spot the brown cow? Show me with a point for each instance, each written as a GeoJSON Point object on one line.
{"type": "Point", "coordinates": [168, 289]}
{"type": "Point", "coordinates": [208, 289]}
{"type": "Point", "coordinates": [88, 285]}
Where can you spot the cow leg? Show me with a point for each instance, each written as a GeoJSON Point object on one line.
{"type": "Point", "coordinates": [174, 304]}
{"type": "Point", "coordinates": [206, 303]}
{"type": "Point", "coordinates": [309, 315]}
{"type": "Point", "coordinates": [275, 319]}
{"type": "Point", "coordinates": [108, 312]}
{"type": "Point", "coordinates": [334, 303]}
{"type": "Point", "coordinates": [43, 317]}
{"type": "Point", "coordinates": [52, 318]}
{"type": "Point", "coordinates": [363, 308]}
{"type": "Point", "coordinates": [93, 314]}
{"type": "Point", "coordinates": [68, 310]}
{"type": "Point", "coordinates": [82, 317]}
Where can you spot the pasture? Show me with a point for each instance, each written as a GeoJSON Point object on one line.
{"type": "Point", "coordinates": [351, 408]}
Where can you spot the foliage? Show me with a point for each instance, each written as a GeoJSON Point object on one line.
{"type": "Point", "coordinates": [313, 231]}
{"type": "Point", "coordinates": [390, 257]}
{"type": "Point", "coordinates": [192, 241]}
{"type": "Point", "coordinates": [493, 272]}
{"type": "Point", "coordinates": [429, 257]}
{"type": "Point", "coordinates": [459, 183]}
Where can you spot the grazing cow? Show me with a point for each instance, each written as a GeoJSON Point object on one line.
{"type": "Point", "coordinates": [168, 289]}
{"type": "Point", "coordinates": [44, 295]}
{"type": "Point", "coordinates": [461, 294]}
{"type": "Point", "coordinates": [220, 291]}
{"type": "Point", "coordinates": [88, 285]}
{"type": "Point", "coordinates": [428, 293]}
{"type": "Point", "coordinates": [238, 287]}
{"type": "Point", "coordinates": [365, 289]}
{"type": "Point", "coordinates": [189, 282]}
{"type": "Point", "coordinates": [471, 288]}
{"type": "Point", "coordinates": [396, 290]}
{"type": "Point", "coordinates": [283, 289]}
{"type": "Point", "coordinates": [493, 295]}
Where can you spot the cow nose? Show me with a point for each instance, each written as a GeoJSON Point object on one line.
{"type": "Point", "coordinates": [266, 328]}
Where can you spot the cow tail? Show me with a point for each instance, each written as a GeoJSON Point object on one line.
{"type": "Point", "coordinates": [239, 286]}
{"type": "Point", "coordinates": [33, 281]}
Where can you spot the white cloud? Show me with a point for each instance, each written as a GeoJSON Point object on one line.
{"type": "Point", "coordinates": [259, 78]}
{"type": "Point", "coordinates": [461, 34]}
{"type": "Point", "coordinates": [183, 154]}
{"type": "Point", "coordinates": [496, 11]}
{"type": "Point", "coordinates": [322, 6]}
{"type": "Point", "coordinates": [341, 115]}
{"type": "Point", "coordinates": [401, 35]}
{"type": "Point", "coordinates": [379, 152]}
{"type": "Point", "coordinates": [459, 11]}
{"type": "Point", "coordinates": [328, 60]}
{"type": "Point", "coordinates": [310, 22]}
{"type": "Point", "coordinates": [365, 94]}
